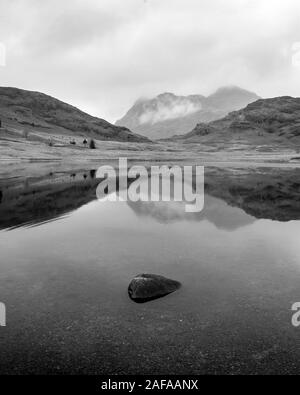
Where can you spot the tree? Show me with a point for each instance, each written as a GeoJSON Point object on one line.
{"type": "Point", "coordinates": [92, 144]}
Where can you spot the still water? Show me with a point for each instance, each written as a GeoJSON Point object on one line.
{"type": "Point", "coordinates": [66, 260]}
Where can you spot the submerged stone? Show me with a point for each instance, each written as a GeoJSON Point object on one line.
{"type": "Point", "coordinates": [146, 287]}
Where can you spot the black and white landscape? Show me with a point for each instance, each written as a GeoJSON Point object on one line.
{"type": "Point", "coordinates": [92, 286]}
{"type": "Point", "coordinates": [168, 114]}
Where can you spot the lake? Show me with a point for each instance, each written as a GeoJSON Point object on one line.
{"type": "Point", "coordinates": [67, 260]}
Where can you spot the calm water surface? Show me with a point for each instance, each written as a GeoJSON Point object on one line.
{"type": "Point", "coordinates": [67, 259]}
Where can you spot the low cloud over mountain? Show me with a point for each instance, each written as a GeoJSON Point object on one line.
{"type": "Point", "coordinates": [168, 114]}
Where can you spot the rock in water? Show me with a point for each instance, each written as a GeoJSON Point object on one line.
{"type": "Point", "coordinates": [146, 287]}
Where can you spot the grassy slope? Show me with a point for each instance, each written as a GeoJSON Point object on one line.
{"type": "Point", "coordinates": [34, 111]}
{"type": "Point", "coordinates": [274, 122]}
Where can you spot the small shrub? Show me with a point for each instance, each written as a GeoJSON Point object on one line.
{"type": "Point", "coordinates": [92, 144]}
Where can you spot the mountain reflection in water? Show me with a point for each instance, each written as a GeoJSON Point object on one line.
{"type": "Point", "coordinates": [233, 198]}
{"type": "Point", "coordinates": [65, 283]}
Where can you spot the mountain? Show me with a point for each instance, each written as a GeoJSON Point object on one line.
{"type": "Point", "coordinates": [39, 112]}
{"type": "Point", "coordinates": [231, 200]}
{"type": "Point", "coordinates": [231, 98]}
{"type": "Point", "coordinates": [264, 121]}
{"type": "Point", "coordinates": [168, 114]}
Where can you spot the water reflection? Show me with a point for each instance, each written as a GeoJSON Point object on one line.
{"type": "Point", "coordinates": [34, 201]}
{"type": "Point", "coordinates": [233, 198]}
{"type": "Point", "coordinates": [65, 283]}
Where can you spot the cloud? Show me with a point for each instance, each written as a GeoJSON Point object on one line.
{"type": "Point", "coordinates": [103, 55]}
{"type": "Point", "coordinates": [180, 107]}
{"type": "Point", "coordinates": [296, 54]}
{"type": "Point", "coordinates": [2, 55]}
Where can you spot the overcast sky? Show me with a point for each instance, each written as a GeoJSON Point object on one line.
{"type": "Point", "coordinates": [101, 55]}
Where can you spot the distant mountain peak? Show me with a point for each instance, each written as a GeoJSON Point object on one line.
{"type": "Point", "coordinates": [229, 88]}
{"type": "Point", "coordinates": [166, 95]}
{"type": "Point", "coordinates": [168, 114]}
{"type": "Point", "coordinates": [231, 98]}
{"type": "Point", "coordinates": [233, 89]}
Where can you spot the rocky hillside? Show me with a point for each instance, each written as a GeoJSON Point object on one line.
{"type": "Point", "coordinates": [34, 111]}
{"type": "Point", "coordinates": [266, 120]}
{"type": "Point", "coordinates": [168, 114]}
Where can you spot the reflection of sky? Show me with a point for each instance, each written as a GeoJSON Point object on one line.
{"type": "Point", "coordinates": [111, 227]}
{"type": "Point", "coordinates": [79, 268]}
{"type": "Point", "coordinates": [66, 281]}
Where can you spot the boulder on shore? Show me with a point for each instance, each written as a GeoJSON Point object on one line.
{"type": "Point", "coordinates": [146, 287]}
